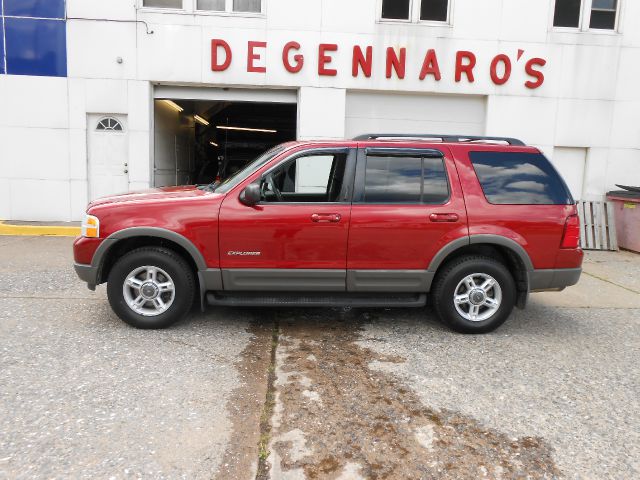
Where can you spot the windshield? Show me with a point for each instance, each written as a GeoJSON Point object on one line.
{"type": "Point", "coordinates": [240, 175]}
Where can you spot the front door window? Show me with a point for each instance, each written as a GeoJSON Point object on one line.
{"type": "Point", "coordinates": [316, 178]}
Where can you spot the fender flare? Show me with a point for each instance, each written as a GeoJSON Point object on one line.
{"type": "Point", "coordinates": [490, 239]}
{"type": "Point", "coordinates": [111, 240]}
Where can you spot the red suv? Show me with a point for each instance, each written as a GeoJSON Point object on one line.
{"type": "Point", "coordinates": [473, 223]}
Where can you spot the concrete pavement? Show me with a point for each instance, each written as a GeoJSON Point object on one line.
{"type": "Point", "coordinates": [315, 393]}
{"type": "Point", "coordinates": [82, 395]}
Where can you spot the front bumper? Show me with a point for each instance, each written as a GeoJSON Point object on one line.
{"type": "Point", "coordinates": [88, 274]}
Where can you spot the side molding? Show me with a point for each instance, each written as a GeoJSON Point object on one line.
{"type": "Point", "coordinates": [389, 280]}
{"type": "Point", "coordinates": [283, 280]}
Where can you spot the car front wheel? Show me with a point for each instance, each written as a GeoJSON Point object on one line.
{"type": "Point", "coordinates": [474, 294]}
{"type": "Point", "coordinates": [151, 287]}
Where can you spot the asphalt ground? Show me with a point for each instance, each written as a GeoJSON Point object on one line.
{"type": "Point", "coordinates": [315, 393]}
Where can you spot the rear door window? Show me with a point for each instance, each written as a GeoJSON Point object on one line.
{"type": "Point", "coordinates": [518, 178]}
{"type": "Point", "coordinates": [405, 179]}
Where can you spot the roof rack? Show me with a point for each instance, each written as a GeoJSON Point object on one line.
{"type": "Point", "coordinates": [443, 138]}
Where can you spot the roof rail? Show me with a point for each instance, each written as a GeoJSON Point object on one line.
{"type": "Point", "coordinates": [443, 138]}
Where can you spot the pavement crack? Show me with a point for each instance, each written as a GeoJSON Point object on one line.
{"type": "Point", "coordinates": [246, 406]}
{"type": "Point", "coordinates": [612, 283]}
{"type": "Point", "coordinates": [268, 408]}
{"type": "Point", "coordinates": [36, 297]}
{"type": "Point", "coordinates": [206, 352]}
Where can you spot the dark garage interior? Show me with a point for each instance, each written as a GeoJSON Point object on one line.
{"type": "Point", "coordinates": [200, 141]}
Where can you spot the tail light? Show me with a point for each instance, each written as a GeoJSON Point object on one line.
{"type": "Point", "coordinates": [571, 235]}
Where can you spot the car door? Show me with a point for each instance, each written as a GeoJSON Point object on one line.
{"type": "Point", "coordinates": [407, 205]}
{"type": "Point", "coordinates": [295, 237]}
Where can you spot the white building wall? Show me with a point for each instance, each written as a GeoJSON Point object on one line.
{"type": "Point", "coordinates": [34, 148]}
{"type": "Point", "coordinates": [590, 99]}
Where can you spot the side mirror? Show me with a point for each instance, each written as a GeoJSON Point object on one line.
{"type": "Point", "coordinates": [251, 194]}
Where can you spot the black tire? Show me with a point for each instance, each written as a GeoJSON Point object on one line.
{"type": "Point", "coordinates": [174, 265]}
{"type": "Point", "coordinates": [453, 273]}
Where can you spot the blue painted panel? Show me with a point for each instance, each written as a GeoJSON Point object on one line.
{"type": "Point", "coordinates": [1, 45]}
{"type": "Point", "coordinates": [34, 8]}
{"type": "Point", "coordinates": [36, 47]}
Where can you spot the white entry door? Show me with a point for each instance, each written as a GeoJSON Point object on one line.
{"type": "Point", "coordinates": [108, 156]}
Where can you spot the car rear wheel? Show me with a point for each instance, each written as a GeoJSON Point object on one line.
{"type": "Point", "coordinates": [474, 294]}
{"type": "Point", "coordinates": [151, 287]}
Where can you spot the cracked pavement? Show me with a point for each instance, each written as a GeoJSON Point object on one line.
{"type": "Point", "coordinates": [366, 393]}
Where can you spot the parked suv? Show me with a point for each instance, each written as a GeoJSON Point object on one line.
{"type": "Point", "coordinates": [472, 223]}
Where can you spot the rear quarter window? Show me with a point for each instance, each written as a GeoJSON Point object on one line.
{"type": "Point", "coordinates": [518, 178]}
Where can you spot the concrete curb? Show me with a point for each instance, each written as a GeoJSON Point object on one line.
{"type": "Point", "coordinates": [38, 230]}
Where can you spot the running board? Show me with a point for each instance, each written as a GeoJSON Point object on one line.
{"type": "Point", "coordinates": [250, 299]}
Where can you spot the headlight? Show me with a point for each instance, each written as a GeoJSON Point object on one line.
{"type": "Point", "coordinates": [90, 227]}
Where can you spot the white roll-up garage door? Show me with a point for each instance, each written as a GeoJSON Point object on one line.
{"type": "Point", "coordinates": [375, 112]}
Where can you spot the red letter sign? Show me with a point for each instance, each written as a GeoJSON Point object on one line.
{"type": "Point", "coordinates": [398, 64]}
{"type": "Point", "coordinates": [299, 59]}
{"type": "Point", "coordinates": [535, 73]}
{"type": "Point", "coordinates": [430, 66]}
{"type": "Point", "coordinates": [215, 66]}
{"type": "Point", "coordinates": [494, 69]}
{"type": "Point", "coordinates": [467, 69]}
{"type": "Point", "coordinates": [251, 56]}
{"type": "Point", "coordinates": [359, 61]}
{"type": "Point", "coordinates": [324, 59]}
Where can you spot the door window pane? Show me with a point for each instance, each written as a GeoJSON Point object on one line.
{"type": "Point", "coordinates": [312, 178]}
{"type": "Point", "coordinates": [395, 9]}
{"type": "Point", "coordinates": [312, 174]}
{"type": "Point", "coordinates": [215, 5]}
{"type": "Point", "coordinates": [247, 6]}
{"type": "Point", "coordinates": [567, 13]}
{"type": "Point", "coordinates": [436, 187]}
{"type": "Point", "coordinates": [603, 14]}
{"type": "Point", "coordinates": [435, 10]}
{"type": "Point", "coordinates": [162, 3]}
{"type": "Point", "coordinates": [405, 180]}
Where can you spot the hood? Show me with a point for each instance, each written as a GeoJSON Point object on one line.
{"type": "Point", "coordinates": [153, 194]}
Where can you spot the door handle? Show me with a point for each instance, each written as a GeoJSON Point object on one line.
{"type": "Point", "coordinates": [326, 217]}
{"type": "Point", "coordinates": [443, 217]}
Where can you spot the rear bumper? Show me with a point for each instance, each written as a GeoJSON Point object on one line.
{"type": "Point", "coordinates": [87, 273]}
{"type": "Point", "coordinates": [553, 279]}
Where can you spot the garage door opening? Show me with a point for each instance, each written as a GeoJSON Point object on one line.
{"type": "Point", "coordinates": [200, 141]}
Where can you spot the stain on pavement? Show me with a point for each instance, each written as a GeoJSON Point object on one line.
{"type": "Point", "coordinates": [335, 417]}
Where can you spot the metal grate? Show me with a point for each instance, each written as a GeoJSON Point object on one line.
{"type": "Point", "coordinates": [597, 226]}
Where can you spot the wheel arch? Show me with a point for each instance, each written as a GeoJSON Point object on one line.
{"type": "Point", "coordinates": [125, 240]}
{"type": "Point", "coordinates": [507, 250]}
